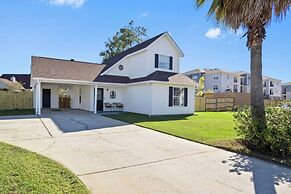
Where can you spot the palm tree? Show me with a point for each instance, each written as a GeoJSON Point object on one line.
{"type": "Point", "coordinates": [253, 16]}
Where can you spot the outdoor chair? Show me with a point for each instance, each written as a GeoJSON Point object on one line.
{"type": "Point", "coordinates": [118, 105]}
{"type": "Point", "coordinates": [108, 105]}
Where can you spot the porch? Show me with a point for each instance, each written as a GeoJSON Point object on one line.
{"type": "Point", "coordinates": [82, 96]}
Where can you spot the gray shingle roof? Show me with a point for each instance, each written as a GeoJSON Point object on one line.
{"type": "Point", "coordinates": [50, 68]}
{"type": "Point", "coordinates": [162, 76]}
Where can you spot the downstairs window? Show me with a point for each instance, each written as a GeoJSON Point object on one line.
{"type": "Point", "coordinates": [178, 96]}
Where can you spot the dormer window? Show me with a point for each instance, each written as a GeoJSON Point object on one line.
{"type": "Point", "coordinates": [163, 62]}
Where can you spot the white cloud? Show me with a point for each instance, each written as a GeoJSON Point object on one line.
{"type": "Point", "coordinates": [213, 33]}
{"type": "Point", "coordinates": [144, 14]}
{"type": "Point", "coordinates": [72, 3]}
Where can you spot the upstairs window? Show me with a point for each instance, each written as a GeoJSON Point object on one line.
{"type": "Point", "coordinates": [163, 62]}
{"type": "Point", "coordinates": [215, 77]}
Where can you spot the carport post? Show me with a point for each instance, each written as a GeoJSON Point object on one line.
{"type": "Point", "coordinates": [36, 99]}
{"type": "Point", "coordinates": [39, 103]}
{"type": "Point", "coordinates": [95, 100]}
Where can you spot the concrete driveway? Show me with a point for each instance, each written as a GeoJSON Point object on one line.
{"type": "Point", "coordinates": [110, 156]}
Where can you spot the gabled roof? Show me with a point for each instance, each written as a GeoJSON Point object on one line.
{"type": "Point", "coordinates": [113, 60]}
{"type": "Point", "coordinates": [50, 68]}
{"type": "Point", "coordinates": [11, 85]}
{"type": "Point", "coordinates": [23, 79]}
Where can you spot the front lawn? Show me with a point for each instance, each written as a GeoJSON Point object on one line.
{"type": "Point", "coordinates": [22, 171]}
{"type": "Point", "coordinates": [204, 127]}
{"type": "Point", "coordinates": [17, 112]}
{"type": "Point", "coordinates": [211, 128]}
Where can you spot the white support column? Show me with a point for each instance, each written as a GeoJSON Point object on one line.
{"type": "Point", "coordinates": [39, 99]}
{"type": "Point", "coordinates": [95, 99]}
{"type": "Point", "coordinates": [35, 98]}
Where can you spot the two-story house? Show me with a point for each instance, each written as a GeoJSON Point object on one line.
{"type": "Point", "coordinates": [143, 79]}
{"type": "Point", "coordinates": [286, 91]}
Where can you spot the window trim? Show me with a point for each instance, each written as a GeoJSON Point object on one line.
{"type": "Point", "coordinates": [168, 60]}
{"type": "Point", "coordinates": [180, 98]}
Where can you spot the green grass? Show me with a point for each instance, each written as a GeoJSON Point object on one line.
{"type": "Point", "coordinates": [212, 128]}
{"type": "Point", "coordinates": [22, 171]}
{"type": "Point", "coordinates": [16, 112]}
{"type": "Point", "coordinates": [204, 127]}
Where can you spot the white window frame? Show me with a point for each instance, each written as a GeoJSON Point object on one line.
{"type": "Point", "coordinates": [178, 96]}
{"type": "Point", "coordinates": [215, 77]}
{"type": "Point", "coordinates": [164, 62]}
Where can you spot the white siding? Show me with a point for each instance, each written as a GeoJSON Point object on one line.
{"type": "Point", "coordinates": [142, 63]}
{"type": "Point", "coordinates": [87, 98]}
{"type": "Point", "coordinates": [54, 94]}
{"type": "Point", "coordinates": [160, 101]}
{"type": "Point", "coordinates": [137, 99]}
{"type": "Point", "coordinates": [107, 90]}
{"type": "Point", "coordinates": [153, 99]}
{"type": "Point", "coordinates": [74, 91]}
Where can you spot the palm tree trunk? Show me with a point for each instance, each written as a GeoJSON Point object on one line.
{"type": "Point", "coordinates": [257, 96]}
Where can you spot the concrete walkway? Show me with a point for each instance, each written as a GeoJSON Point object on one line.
{"type": "Point", "coordinates": [110, 156]}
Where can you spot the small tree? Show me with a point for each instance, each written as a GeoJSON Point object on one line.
{"type": "Point", "coordinates": [200, 90]}
{"type": "Point", "coordinates": [125, 38]}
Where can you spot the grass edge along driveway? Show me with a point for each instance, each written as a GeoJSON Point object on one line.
{"type": "Point", "coordinates": [22, 171]}
{"type": "Point", "coordinates": [17, 112]}
{"type": "Point", "coordinates": [211, 128]}
{"type": "Point", "coordinates": [203, 127]}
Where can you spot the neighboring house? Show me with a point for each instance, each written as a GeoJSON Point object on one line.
{"type": "Point", "coordinates": [286, 91]}
{"type": "Point", "coordinates": [144, 79]}
{"type": "Point", "coordinates": [10, 85]}
{"type": "Point", "coordinates": [23, 79]}
{"type": "Point", "coordinates": [217, 80]}
{"type": "Point", "coordinates": [222, 81]}
{"type": "Point", "coordinates": [271, 86]}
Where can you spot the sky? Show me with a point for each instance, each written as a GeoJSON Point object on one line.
{"type": "Point", "coordinates": [78, 29]}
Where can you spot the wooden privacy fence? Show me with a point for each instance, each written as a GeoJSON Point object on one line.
{"type": "Point", "coordinates": [226, 101]}
{"type": "Point", "coordinates": [10, 100]}
{"type": "Point", "coordinates": [219, 104]}
{"type": "Point", "coordinates": [199, 104]}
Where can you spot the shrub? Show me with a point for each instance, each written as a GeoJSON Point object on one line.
{"type": "Point", "coordinates": [276, 137]}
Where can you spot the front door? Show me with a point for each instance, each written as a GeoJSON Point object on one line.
{"type": "Point", "coordinates": [100, 98]}
{"type": "Point", "coordinates": [46, 98]}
